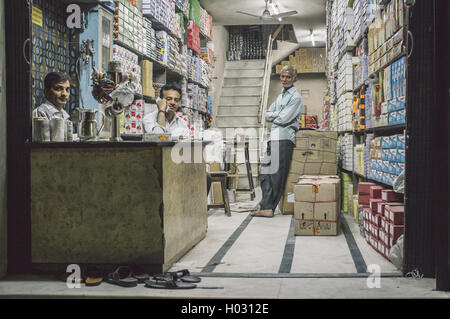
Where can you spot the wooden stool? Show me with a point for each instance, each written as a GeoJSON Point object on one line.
{"type": "Point", "coordinates": [221, 177]}
{"type": "Point", "coordinates": [234, 174]}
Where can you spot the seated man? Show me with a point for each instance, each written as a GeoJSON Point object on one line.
{"type": "Point", "coordinates": [57, 93]}
{"type": "Point", "coordinates": [167, 119]}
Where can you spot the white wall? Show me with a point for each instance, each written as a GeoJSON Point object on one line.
{"type": "Point", "coordinates": [315, 83]}
{"type": "Point", "coordinates": [3, 211]}
{"type": "Point", "coordinates": [220, 40]}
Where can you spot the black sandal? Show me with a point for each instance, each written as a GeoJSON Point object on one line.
{"type": "Point", "coordinates": [122, 276]}
{"type": "Point", "coordinates": [167, 283]}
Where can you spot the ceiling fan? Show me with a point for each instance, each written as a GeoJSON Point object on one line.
{"type": "Point", "coordinates": [266, 15]}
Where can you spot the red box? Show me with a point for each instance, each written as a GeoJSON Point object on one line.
{"type": "Point", "coordinates": [377, 220]}
{"type": "Point", "coordinates": [363, 199]}
{"type": "Point", "coordinates": [390, 204]}
{"type": "Point", "coordinates": [395, 232]}
{"type": "Point", "coordinates": [374, 204]}
{"type": "Point", "coordinates": [386, 223]}
{"type": "Point", "coordinates": [375, 191]}
{"type": "Point", "coordinates": [364, 187]}
{"type": "Point", "coordinates": [396, 214]}
{"type": "Point", "coordinates": [367, 212]}
{"type": "Point", "coordinates": [380, 208]}
{"type": "Point", "coordinates": [390, 196]}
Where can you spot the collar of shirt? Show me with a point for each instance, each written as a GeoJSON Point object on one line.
{"type": "Point", "coordinates": [52, 110]}
{"type": "Point", "coordinates": [290, 90]}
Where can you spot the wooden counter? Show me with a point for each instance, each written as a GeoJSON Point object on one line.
{"type": "Point", "coordinates": [114, 203]}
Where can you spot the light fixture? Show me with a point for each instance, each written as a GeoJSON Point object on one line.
{"type": "Point", "coordinates": [280, 19]}
{"type": "Point", "coordinates": [312, 38]}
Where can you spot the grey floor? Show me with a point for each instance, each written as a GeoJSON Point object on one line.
{"type": "Point", "coordinates": [260, 258]}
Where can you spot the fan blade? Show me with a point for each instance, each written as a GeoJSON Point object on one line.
{"type": "Point", "coordinates": [249, 14]}
{"type": "Point", "coordinates": [284, 14]}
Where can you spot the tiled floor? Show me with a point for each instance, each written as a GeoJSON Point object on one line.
{"type": "Point", "coordinates": [245, 257]}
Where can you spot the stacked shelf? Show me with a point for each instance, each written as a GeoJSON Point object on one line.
{"type": "Point", "coordinates": [158, 34]}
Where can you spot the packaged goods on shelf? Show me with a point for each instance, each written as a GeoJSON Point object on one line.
{"type": "Point", "coordinates": [345, 151]}
{"type": "Point", "coordinates": [128, 25]}
{"type": "Point", "coordinates": [245, 43]}
{"type": "Point", "coordinates": [358, 159]}
{"type": "Point", "coordinates": [383, 218]}
{"type": "Point", "coordinates": [133, 118]}
{"type": "Point", "coordinates": [129, 63]}
{"type": "Point", "coordinates": [160, 12]}
{"type": "Point", "coordinates": [387, 158]}
{"type": "Point", "coordinates": [314, 154]}
{"type": "Point", "coordinates": [193, 32]}
{"type": "Point", "coordinates": [316, 207]}
{"type": "Point", "coordinates": [347, 189]}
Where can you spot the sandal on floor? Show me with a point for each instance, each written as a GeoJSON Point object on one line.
{"type": "Point", "coordinates": [122, 276]}
{"type": "Point", "coordinates": [166, 283]}
{"type": "Point", "coordinates": [140, 274]}
{"type": "Point", "coordinates": [94, 276]}
{"type": "Point", "coordinates": [185, 276]}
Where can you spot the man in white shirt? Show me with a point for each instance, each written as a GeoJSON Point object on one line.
{"type": "Point", "coordinates": [57, 93]}
{"type": "Point", "coordinates": [167, 119]}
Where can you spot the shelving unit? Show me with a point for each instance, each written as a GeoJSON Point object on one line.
{"type": "Point", "coordinates": [164, 73]}
{"type": "Point", "coordinates": [376, 38]}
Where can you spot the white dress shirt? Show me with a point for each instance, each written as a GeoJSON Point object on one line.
{"type": "Point", "coordinates": [49, 111]}
{"type": "Point", "coordinates": [178, 127]}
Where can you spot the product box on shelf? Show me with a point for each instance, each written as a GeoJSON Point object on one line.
{"type": "Point", "coordinates": [396, 214]}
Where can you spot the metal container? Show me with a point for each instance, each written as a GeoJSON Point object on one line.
{"type": "Point", "coordinates": [88, 127]}
{"type": "Point", "coordinates": [69, 131]}
{"type": "Point", "coordinates": [41, 129]}
{"type": "Point", "coordinates": [57, 129]}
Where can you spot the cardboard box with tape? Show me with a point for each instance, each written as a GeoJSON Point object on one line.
{"type": "Point", "coordinates": [314, 154]}
{"type": "Point", "coordinates": [316, 207]}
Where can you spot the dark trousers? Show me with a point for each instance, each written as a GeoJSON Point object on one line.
{"type": "Point", "coordinates": [274, 172]}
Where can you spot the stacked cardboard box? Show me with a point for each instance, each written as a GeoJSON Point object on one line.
{"type": "Point", "coordinates": [383, 217]}
{"type": "Point", "coordinates": [314, 154]}
{"type": "Point", "coordinates": [306, 60]}
{"type": "Point", "coordinates": [316, 207]}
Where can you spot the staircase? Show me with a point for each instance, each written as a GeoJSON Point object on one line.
{"type": "Point", "coordinates": [239, 106]}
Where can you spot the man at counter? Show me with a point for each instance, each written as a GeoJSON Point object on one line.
{"type": "Point", "coordinates": [167, 119]}
{"type": "Point", "coordinates": [57, 93]}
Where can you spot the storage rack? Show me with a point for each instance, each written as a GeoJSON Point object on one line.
{"type": "Point", "coordinates": [163, 74]}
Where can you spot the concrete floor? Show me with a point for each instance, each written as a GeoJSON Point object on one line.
{"type": "Point", "coordinates": [259, 258]}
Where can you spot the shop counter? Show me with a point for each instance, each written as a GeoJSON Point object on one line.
{"type": "Point", "coordinates": [116, 203]}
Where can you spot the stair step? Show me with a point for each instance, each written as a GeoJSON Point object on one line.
{"type": "Point", "coordinates": [232, 121]}
{"type": "Point", "coordinates": [251, 73]}
{"type": "Point", "coordinates": [247, 100]}
{"type": "Point", "coordinates": [241, 91]}
{"type": "Point", "coordinates": [242, 81]}
{"type": "Point", "coordinates": [243, 64]}
{"type": "Point", "coordinates": [238, 109]}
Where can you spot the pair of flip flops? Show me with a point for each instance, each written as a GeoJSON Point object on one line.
{"type": "Point", "coordinates": [181, 279]}
{"type": "Point", "coordinates": [125, 276]}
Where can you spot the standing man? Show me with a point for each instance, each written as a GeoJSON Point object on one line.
{"type": "Point", "coordinates": [284, 114]}
{"type": "Point", "coordinates": [57, 93]}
